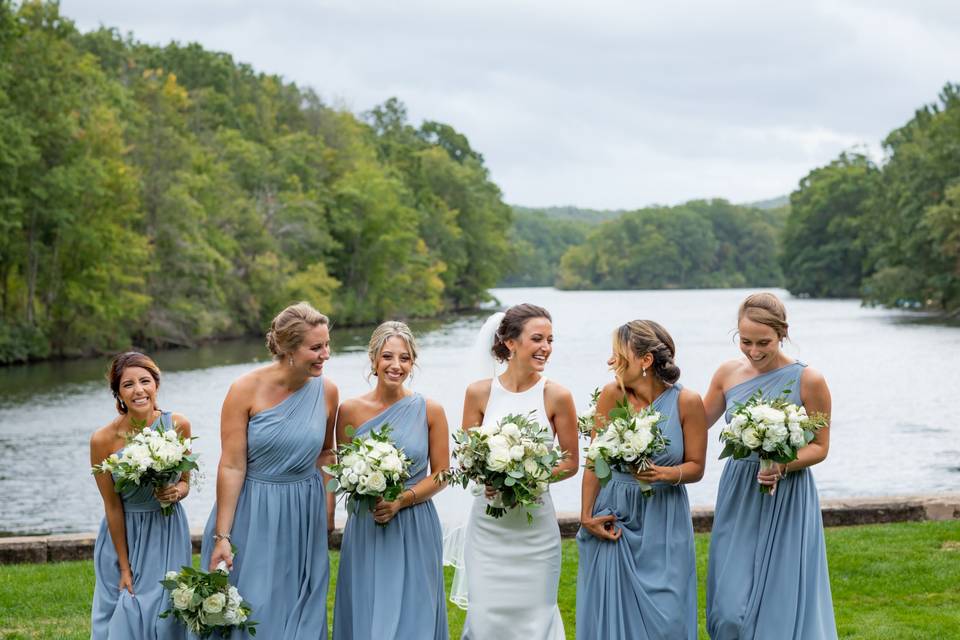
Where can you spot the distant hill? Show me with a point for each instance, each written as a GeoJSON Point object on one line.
{"type": "Point", "coordinates": [573, 214]}
{"type": "Point", "coordinates": [771, 203]}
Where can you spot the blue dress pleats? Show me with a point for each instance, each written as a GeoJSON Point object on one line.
{"type": "Point", "coordinates": [390, 581]}
{"type": "Point", "coordinates": [155, 544]}
{"type": "Point", "coordinates": [280, 527]}
{"type": "Point", "coordinates": [643, 586]}
{"type": "Point", "coordinates": [767, 576]}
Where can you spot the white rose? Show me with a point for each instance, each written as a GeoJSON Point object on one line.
{"type": "Point", "coordinates": [516, 452]}
{"type": "Point", "coordinates": [736, 424]}
{"type": "Point", "coordinates": [510, 429]}
{"type": "Point", "coordinates": [391, 463]}
{"type": "Point", "coordinates": [214, 603]}
{"type": "Point", "coordinates": [498, 442]}
{"type": "Point", "coordinates": [231, 616]}
{"type": "Point", "coordinates": [498, 459]}
{"type": "Point", "coordinates": [181, 597]}
{"type": "Point", "coordinates": [489, 430]}
{"type": "Point", "coordinates": [797, 437]}
{"type": "Point", "coordinates": [349, 460]}
{"type": "Point", "coordinates": [377, 482]}
{"type": "Point", "coordinates": [171, 575]}
{"type": "Point", "coordinates": [774, 437]}
{"type": "Point", "coordinates": [233, 597]}
{"type": "Point", "coordinates": [750, 438]}
{"type": "Point", "coordinates": [360, 467]}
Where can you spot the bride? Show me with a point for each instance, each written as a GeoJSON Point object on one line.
{"type": "Point", "coordinates": [512, 567]}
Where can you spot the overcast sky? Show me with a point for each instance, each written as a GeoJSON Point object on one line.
{"type": "Point", "coordinates": [594, 103]}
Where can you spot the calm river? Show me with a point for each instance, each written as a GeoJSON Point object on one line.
{"type": "Point", "coordinates": [894, 379]}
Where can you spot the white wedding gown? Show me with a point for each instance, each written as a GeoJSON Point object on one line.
{"type": "Point", "coordinates": [512, 567]}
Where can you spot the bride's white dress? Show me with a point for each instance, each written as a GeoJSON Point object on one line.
{"type": "Point", "coordinates": [512, 567]}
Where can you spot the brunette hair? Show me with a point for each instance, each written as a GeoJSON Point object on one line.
{"type": "Point", "coordinates": [640, 337]}
{"type": "Point", "coordinates": [765, 308]}
{"type": "Point", "coordinates": [387, 330]}
{"type": "Point", "coordinates": [123, 361]}
{"type": "Point", "coordinates": [511, 327]}
{"type": "Point", "coordinates": [288, 328]}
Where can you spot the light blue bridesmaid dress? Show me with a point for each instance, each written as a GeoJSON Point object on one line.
{"type": "Point", "coordinates": [155, 544]}
{"type": "Point", "coordinates": [644, 585]}
{"type": "Point", "coordinates": [281, 566]}
{"type": "Point", "coordinates": [767, 576]}
{"type": "Point", "coordinates": [390, 582]}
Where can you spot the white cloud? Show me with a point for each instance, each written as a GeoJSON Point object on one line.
{"type": "Point", "coordinates": [603, 104]}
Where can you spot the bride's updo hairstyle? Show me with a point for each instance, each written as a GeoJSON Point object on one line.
{"type": "Point", "coordinates": [640, 337]}
{"type": "Point", "coordinates": [288, 328]}
{"type": "Point", "coordinates": [387, 330]}
{"type": "Point", "coordinates": [511, 327]}
{"type": "Point", "coordinates": [767, 309]}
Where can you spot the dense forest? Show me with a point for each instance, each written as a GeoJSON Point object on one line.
{"type": "Point", "coordinates": [166, 195]}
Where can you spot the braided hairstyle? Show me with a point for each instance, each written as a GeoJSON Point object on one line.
{"type": "Point", "coordinates": [640, 337]}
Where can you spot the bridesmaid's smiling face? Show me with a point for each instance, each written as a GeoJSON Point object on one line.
{"type": "Point", "coordinates": [760, 344]}
{"type": "Point", "coordinates": [314, 350]}
{"type": "Point", "coordinates": [535, 344]}
{"type": "Point", "coordinates": [138, 390]}
{"type": "Point", "coordinates": [395, 362]}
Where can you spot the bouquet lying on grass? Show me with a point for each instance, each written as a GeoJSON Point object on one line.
{"type": "Point", "coordinates": [626, 443]}
{"type": "Point", "coordinates": [150, 457]}
{"type": "Point", "coordinates": [207, 602]}
{"type": "Point", "coordinates": [774, 429]}
{"type": "Point", "coordinates": [513, 456]}
{"type": "Point", "coordinates": [368, 469]}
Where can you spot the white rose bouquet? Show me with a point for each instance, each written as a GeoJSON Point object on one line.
{"type": "Point", "coordinates": [514, 456]}
{"type": "Point", "coordinates": [586, 420]}
{"type": "Point", "coordinates": [150, 457]}
{"type": "Point", "coordinates": [368, 469]}
{"type": "Point", "coordinates": [626, 444]}
{"type": "Point", "coordinates": [207, 602]}
{"type": "Point", "coordinates": [774, 429]}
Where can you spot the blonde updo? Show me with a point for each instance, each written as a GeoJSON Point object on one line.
{"type": "Point", "coordinates": [640, 337]}
{"type": "Point", "coordinates": [766, 309]}
{"type": "Point", "coordinates": [387, 330]}
{"type": "Point", "coordinates": [288, 328]}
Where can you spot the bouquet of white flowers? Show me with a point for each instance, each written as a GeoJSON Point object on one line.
{"type": "Point", "coordinates": [513, 456]}
{"type": "Point", "coordinates": [368, 469]}
{"type": "Point", "coordinates": [586, 420]}
{"type": "Point", "coordinates": [626, 444]}
{"type": "Point", "coordinates": [207, 602]}
{"type": "Point", "coordinates": [150, 457]}
{"type": "Point", "coordinates": [775, 429]}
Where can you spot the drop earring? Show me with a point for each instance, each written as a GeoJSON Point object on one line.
{"type": "Point", "coordinates": [291, 361]}
{"type": "Point", "coordinates": [644, 372]}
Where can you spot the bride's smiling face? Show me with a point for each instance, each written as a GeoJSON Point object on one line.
{"type": "Point", "coordinates": [535, 344]}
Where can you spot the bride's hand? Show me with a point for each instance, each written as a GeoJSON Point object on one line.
{"type": "Point", "coordinates": [489, 492]}
{"type": "Point", "coordinates": [603, 527]}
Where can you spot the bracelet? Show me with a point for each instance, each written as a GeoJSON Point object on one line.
{"type": "Point", "coordinates": [414, 501]}
{"type": "Point", "coordinates": [217, 537]}
{"type": "Point", "coordinates": [680, 478]}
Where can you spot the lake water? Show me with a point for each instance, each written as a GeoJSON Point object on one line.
{"type": "Point", "coordinates": [894, 377]}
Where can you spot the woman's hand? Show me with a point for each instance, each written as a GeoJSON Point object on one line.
{"type": "Point", "coordinates": [654, 473]}
{"type": "Point", "coordinates": [490, 492]}
{"type": "Point", "coordinates": [603, 527]}
{"type": "Point", "coordinates": [222, 552]}
{"type": "Point", "coordinates": [384, 511]}
{"type": "Point", "coordinates": [126, 581]}
{"type": "Point", "coordinates": [771, 476]}
{"type": "Point", "coordinates": [171, 493]}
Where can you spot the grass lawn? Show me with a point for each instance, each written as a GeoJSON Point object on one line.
{"type": "Point", "coordinates": [896, 581]}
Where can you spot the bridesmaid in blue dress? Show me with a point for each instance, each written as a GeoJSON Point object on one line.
{"type": "Point", "coordinates": [137, 544]}
{"type": "Point", "coordinates": [390, 583]}
{"type": "Point", "coordinates": [271, 503]}
{"type": "Point", "coordinates": [767, 575]}
{"type": "Point", "coordinates": [637, 576]}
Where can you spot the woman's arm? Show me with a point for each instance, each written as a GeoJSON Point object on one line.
{"type": "Point", "coordinates": [715, 402]}
{"type": "Point", "coordinates": [328, 453]}
{"type": "Point", "coordinates": [474, 403]}
{"type": "Point", "coordinates": [232, 470]}
{"type": "Point", "coordinates": [603, 527]}
{"type": "Point", "coordinates": [100, 445]}
{"type": "Point", "coordinates": [562, 413]}
{"type": "Point", "coordinates": [181, 488]}
{"type": "Point", "coordinates": [439, 451]}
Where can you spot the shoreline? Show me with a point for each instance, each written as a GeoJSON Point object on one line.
{"type": "Point", "coordinates": [839, 512]}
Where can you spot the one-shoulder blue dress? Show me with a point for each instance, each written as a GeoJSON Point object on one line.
{"type": "Point", "coordinates": [390, 581]}
{"type": "Point", "coordinates": [767, 575]}
{"type": "Point", "coordinates": [644, 585]}
{"type": "Point", "coordinates": [280, 527]}
{"type": "Point", "coordinates": [155, 544]}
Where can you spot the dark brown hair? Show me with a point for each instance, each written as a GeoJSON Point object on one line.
{"type": "Point", "coordinates": [123, 361]}
{"type": "Point", "coordinates": [765, 308]}
{"type": "Point", "coordinates": [511, 327]}
{"type": "Point", "coordinates": [641, 337]}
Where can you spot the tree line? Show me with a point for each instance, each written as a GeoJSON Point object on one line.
{"type": "Point", "coordinates": [161, 196]}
